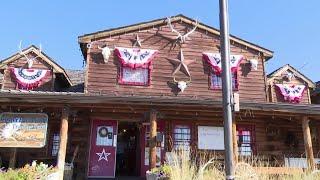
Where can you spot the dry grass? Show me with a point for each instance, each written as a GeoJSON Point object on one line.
{"type": "Point", "coordinates": [181, 167]}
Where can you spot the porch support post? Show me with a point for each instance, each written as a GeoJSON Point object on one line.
{"type": "Point", "coordinates": [63, 140]}
{"type": "Point", "coordinates": [13, 158]}
{"type": "Point", "coordinates": [308, 142]}
{"type": "Point", "coordinates": [235, 140]}
{"type": "Point", "coordinates": [152, 142]}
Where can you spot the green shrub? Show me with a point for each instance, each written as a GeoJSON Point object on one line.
{"type": "Point", "coordinates": [28, 172]}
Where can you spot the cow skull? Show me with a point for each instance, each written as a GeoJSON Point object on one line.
{"type": "Point", "coordinates": [182, 85]}
{"type": "Point", "coordinates": [289, 76]}
{"type": "Point", "coordinates": [254, 64]}
{"type": "Point", "coordinates": [105, 53]}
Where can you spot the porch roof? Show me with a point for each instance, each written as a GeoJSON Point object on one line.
{"type": "Point", "coordinates": [17, 97]}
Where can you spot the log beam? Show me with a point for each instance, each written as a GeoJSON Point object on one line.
{"type": "Point", "coordinates": [308, 142]}
{"type": "Point", "coordinates": [63, 141]}
{"type": "Point", "coordinates": [13, 158]}
{"type": "Point", "coordinates": [235, 141]}
{"type": "Point", "coordinates": [153, 137]}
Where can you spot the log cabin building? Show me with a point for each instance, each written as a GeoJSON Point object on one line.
{"type": "Point", "coordinates": [151, 87]}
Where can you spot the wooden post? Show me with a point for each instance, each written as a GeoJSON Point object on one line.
{"type": "Point", "coordinates": [235, 140]}
{"type": "Point", "coordinates": [13, 158]}
{"type": "Point", "coordinates": [63, 141]}
{"type": "Point", "coordinates": [152, 142]}
{"type": "Point", "coordinates": [308, 142]}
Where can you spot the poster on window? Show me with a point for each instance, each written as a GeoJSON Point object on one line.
{"type": "Point", "coordinates": [210, 138]}
{"type": "Point", "coordinates": [146, 156]}
{"type": "Point", "coordinates": [104, 136]}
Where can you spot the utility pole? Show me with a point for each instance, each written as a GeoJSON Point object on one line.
{"type": "Point", "coordinates": [227, 100]}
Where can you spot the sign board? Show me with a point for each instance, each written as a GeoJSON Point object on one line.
{"type": "Point", "coordinates": [210, 138]}
{"type": "Point", "coordinates": [27, 130]}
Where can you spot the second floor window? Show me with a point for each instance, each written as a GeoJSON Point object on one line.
{"type": "Point", "coordinates": [137, 76]}
{"type": "Point", "coordinates": [216, 80]}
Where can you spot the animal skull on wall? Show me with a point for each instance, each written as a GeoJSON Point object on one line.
{"type": "Point", "coordinates": [105, 53]}
{"type": "Point", "coordinates": [182, 85]}
{"type": "Point", "coordinates": [254, 64]}
{"type": "Point", "coordinates": [289, 76]}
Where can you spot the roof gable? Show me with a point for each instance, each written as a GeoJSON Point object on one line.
{"type": "Point", "coordinates": [56, 67]}
{"type": "Point", "coordinates": [279, 72]}
{"type": "Point", "coordinates": [87, 38]}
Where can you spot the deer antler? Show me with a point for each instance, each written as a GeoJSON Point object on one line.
{"type": "Point", "coordinates": [29, 60]}
{"type": "Point", "coordinates": [173, 30]}
{"type": "Point", "coordinates": [180, 37]}
{"type": "Point", "coordinates": [188, 82]}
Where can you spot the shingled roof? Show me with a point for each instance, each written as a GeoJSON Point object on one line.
{"type": "Point", "coordinates": [77, 79]}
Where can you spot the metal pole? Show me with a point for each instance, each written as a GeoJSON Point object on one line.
{"type": "Point", "coordinates": [226, 88]}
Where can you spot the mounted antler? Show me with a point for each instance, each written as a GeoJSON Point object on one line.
{"type": "Point", "coordinates": [29, 60]}
{"type": "Point", "coordinates": [182, 38]}
{"type": "Point", "coordinates": [182, 84]}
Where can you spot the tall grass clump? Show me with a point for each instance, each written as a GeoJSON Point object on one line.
{"type": "Point", "coordinates": [180, 165]}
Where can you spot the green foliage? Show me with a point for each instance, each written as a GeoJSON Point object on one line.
{"type": "Point", "coordinates": [28, 172]}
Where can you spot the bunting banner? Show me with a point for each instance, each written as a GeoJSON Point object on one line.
{"type": "Point", "coordinates": [291, 93]}
{"type": "Point", "coordinates": [29, 78]}
{"type": "Point", "coordinates": [134, 57]}
{"type": "Point", "coordinates": [214, 60]}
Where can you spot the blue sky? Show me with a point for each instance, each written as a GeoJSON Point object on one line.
{"type": "Point", "coordinates": [288, 27]}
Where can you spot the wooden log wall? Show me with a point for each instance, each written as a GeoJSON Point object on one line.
{"type": "Point", "coordinates": [102, 77]}
{"type": "Point", "coordinates": [9, 81]}
{"type": "Point", "coordinates": [275, 136]}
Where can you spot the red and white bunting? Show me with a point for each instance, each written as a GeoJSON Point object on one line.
{"type": "Point", "coordinates": [214, 60]}
{"type": "Point", "coordinates": [29, 78]}
{"type": "Point", "coordinates": [134, 57]}
{"type": "Point", "coordinates": [291, 93]}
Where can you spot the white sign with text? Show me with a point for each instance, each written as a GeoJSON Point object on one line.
{"type": "Point", "coordinates": [210, 138]}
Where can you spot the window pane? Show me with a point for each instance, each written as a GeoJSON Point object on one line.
{"type": "Point", "coordinates": [245, 143]}
{"type": "Point", "coordinates": [139, 75]}
{"type": "Point", "coordinates": [216, 80]}
{"type": "Point", "coordinates": [55, 144]}
{"type": "Point", "coordinates": [182, 136]}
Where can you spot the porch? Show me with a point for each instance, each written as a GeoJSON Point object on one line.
{"type": "Point", "coordinates": [280, 130]}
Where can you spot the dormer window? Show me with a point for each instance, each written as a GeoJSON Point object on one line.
{"type": "Point", "coordinates": [135, 65]}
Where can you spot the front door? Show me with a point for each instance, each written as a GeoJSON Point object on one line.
{"type": "Point", "coordinates": [102, 153]}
